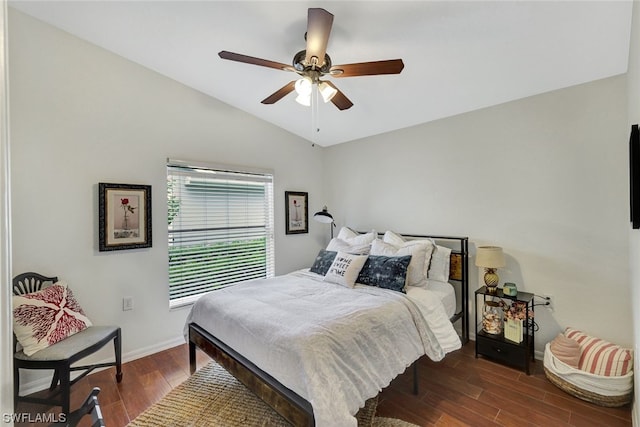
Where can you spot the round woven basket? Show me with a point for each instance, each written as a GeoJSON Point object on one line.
{"type": "Point", "coordinates": [589, 396]}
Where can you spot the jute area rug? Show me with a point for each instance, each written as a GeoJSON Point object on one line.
{"type": "Point", "coordinates": [213, 397]}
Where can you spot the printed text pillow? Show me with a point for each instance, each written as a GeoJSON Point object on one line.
{"type": "Point", "coordinates": [43, 318]}
{"type": "Point", "coordinates": [345, 268]}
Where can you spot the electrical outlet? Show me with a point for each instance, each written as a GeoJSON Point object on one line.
{"type": "Point", "coordinates": [549, 302]}
{"type": "Point", "coordinates": [127, 303]}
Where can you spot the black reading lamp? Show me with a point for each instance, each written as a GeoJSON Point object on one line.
{"type": "Point", "coordinates": [325, 217]}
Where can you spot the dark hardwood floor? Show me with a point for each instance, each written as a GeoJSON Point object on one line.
{"type": "Point", "coordinates": [458, 391]}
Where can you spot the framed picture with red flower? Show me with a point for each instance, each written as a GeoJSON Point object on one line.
{"type": "Point", "coordinates": [124, 216]}
{"type": "Point", "coordinates": [296, 212]}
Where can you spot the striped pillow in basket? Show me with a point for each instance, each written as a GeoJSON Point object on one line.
{"type": "Point", "coordinates": [600, 357]}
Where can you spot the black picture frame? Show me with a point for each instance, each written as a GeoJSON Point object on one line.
{"type": "Point", "coordinates": [296, 212]}
{"type": "Point", "coordinates": [124, 216]}
{"type": "Point", "coordinates": [634, 176]}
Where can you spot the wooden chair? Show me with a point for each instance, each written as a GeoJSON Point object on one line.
{"type": "Point", "coordinates": [60, 356]}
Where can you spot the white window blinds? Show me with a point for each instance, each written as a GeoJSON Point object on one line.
{"type": "Point", "coordinates": [220, 229]}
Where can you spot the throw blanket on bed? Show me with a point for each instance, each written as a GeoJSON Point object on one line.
{"type": "Point", "coordinates": [334, 346]}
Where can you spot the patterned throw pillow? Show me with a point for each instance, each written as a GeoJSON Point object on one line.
{"type": "Point", "coordinates": [601, 357]}
{"type": "Point", "coordinates": [43, 318]}
{"type": "Point", "coordinates": [323, 262]}
{"type": "Point", "coordinates": [420, 252]}
{"type": "Point", "coordinates": [385, 272]}
{"type": "Point", "coordinates": [345, 268]}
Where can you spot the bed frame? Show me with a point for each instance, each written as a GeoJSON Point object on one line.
{"type": "Point", "coordinates": [286, 402]}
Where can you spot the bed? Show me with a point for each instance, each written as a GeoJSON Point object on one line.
{"type": "Point", "coordinates": [299, 341]}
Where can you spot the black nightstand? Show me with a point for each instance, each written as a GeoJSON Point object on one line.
{"type": "Point", "coordinates": [495, 346]}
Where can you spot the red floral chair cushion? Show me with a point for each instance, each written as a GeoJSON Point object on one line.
{"type": "Point", "coordinates": [43, 318]}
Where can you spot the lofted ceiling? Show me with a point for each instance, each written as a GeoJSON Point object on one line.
{"type": "Point", "coordinates": [459, 55]}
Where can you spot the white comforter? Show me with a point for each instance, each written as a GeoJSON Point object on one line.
{"type": "Point", "coordinates": [334, 346]}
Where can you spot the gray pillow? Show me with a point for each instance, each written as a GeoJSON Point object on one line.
{"type": "Point", "coordinates": [385, 272]}
{"type": "Point", "coordinates": [323, 261]}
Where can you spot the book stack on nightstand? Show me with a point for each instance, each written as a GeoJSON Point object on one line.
{"type": "Point", "coordinates": [514, 346]}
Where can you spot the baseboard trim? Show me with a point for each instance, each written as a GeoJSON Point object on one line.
{"type": "Point", "coordinates": [44, 382]}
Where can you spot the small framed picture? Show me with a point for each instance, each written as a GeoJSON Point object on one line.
{"type": "Point", "coordinates": [296, 212]}
{"type": "Point", "coordinates": [124, 216]}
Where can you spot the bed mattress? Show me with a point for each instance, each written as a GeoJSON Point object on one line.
{"type": "Point", "coordinates": [334, 346]}
{"type": "Point", "coordinates": [446, 293]}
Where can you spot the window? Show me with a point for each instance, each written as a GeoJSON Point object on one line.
{"type": "Point", "coordinates": [220, 225]}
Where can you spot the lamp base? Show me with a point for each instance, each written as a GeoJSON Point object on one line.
{"type": "Point", "coordinates": [492, 289]}
{"type": "Point", "coordinates": [491, 280]}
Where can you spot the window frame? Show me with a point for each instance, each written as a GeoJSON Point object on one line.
{"type": "Point", "coordinates": [202, 172]}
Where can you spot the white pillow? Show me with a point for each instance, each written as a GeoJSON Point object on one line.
{"type": "Point", "coordinates": [399, 242]}
{"type": "Point", "coordinates": [353, 238]}
{"type": "Point", "coordinates": [345, 268]}
{"type": "Point", "coordinates": [393, 238]}
{"type": "Point", "coordinates": [419, 251]}
{"type": "Point", "coordinates": [336, 244]}
{"type": "Point", "coordinates": [440, 264]}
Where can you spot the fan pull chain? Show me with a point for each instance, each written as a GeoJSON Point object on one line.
{"type": "Point", "coordinates": [315, 112]}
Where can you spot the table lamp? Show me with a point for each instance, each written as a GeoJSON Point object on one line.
{"type": "Point", "coordinates": [491, 258]}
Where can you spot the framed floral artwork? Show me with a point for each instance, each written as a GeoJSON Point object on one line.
{"type": "Point", "coordinates": [124, 216]}
{"type": "Point", "coordinates": [296, 212]}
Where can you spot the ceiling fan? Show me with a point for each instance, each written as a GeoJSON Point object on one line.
{"type": "Point", "coordinates": [313, 63]}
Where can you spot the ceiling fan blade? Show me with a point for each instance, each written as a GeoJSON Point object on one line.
{"type": "Point", "coordinates": [255, 61]}
{"type": "Point", "coordinates": [339, 99]}
{"type": "Point", "coordinates": [319, 24]}
{"type": "Point", "coordinates": [280, 93]}
{"type": "Point", "coordinates": [390, 66]}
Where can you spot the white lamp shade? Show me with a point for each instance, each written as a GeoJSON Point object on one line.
{"type": "Point", "coordinates": [304, 86]}
{"type": "Point", "coordinates": [304, 100]}
{"type": "Point", "coordinates": [327, 91]}
{"type": "Point", "coordinates": [490, 257]}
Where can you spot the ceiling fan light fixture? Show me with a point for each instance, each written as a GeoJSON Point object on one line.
{"type": "Point", "coordinates": [304, 86]}
{"type": "Point", "coordinates": [327, 91]}
{"type": "Point", "coordinates": [304, 100]}
{"type": "Point", "coordinates": [313, 63]}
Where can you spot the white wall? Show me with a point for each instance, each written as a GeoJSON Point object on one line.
{"type": "Point", "coordinates": [81, 115]}
{"type": "Point", "coordinates": [544, 177]}
{"type": "Point", "coordinates": [6, 335]}
{"type": "Point", "coordinates": [633, 82]}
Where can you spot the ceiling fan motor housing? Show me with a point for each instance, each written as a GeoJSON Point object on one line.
{"type": "Point", "coordinates": [300, 64]}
